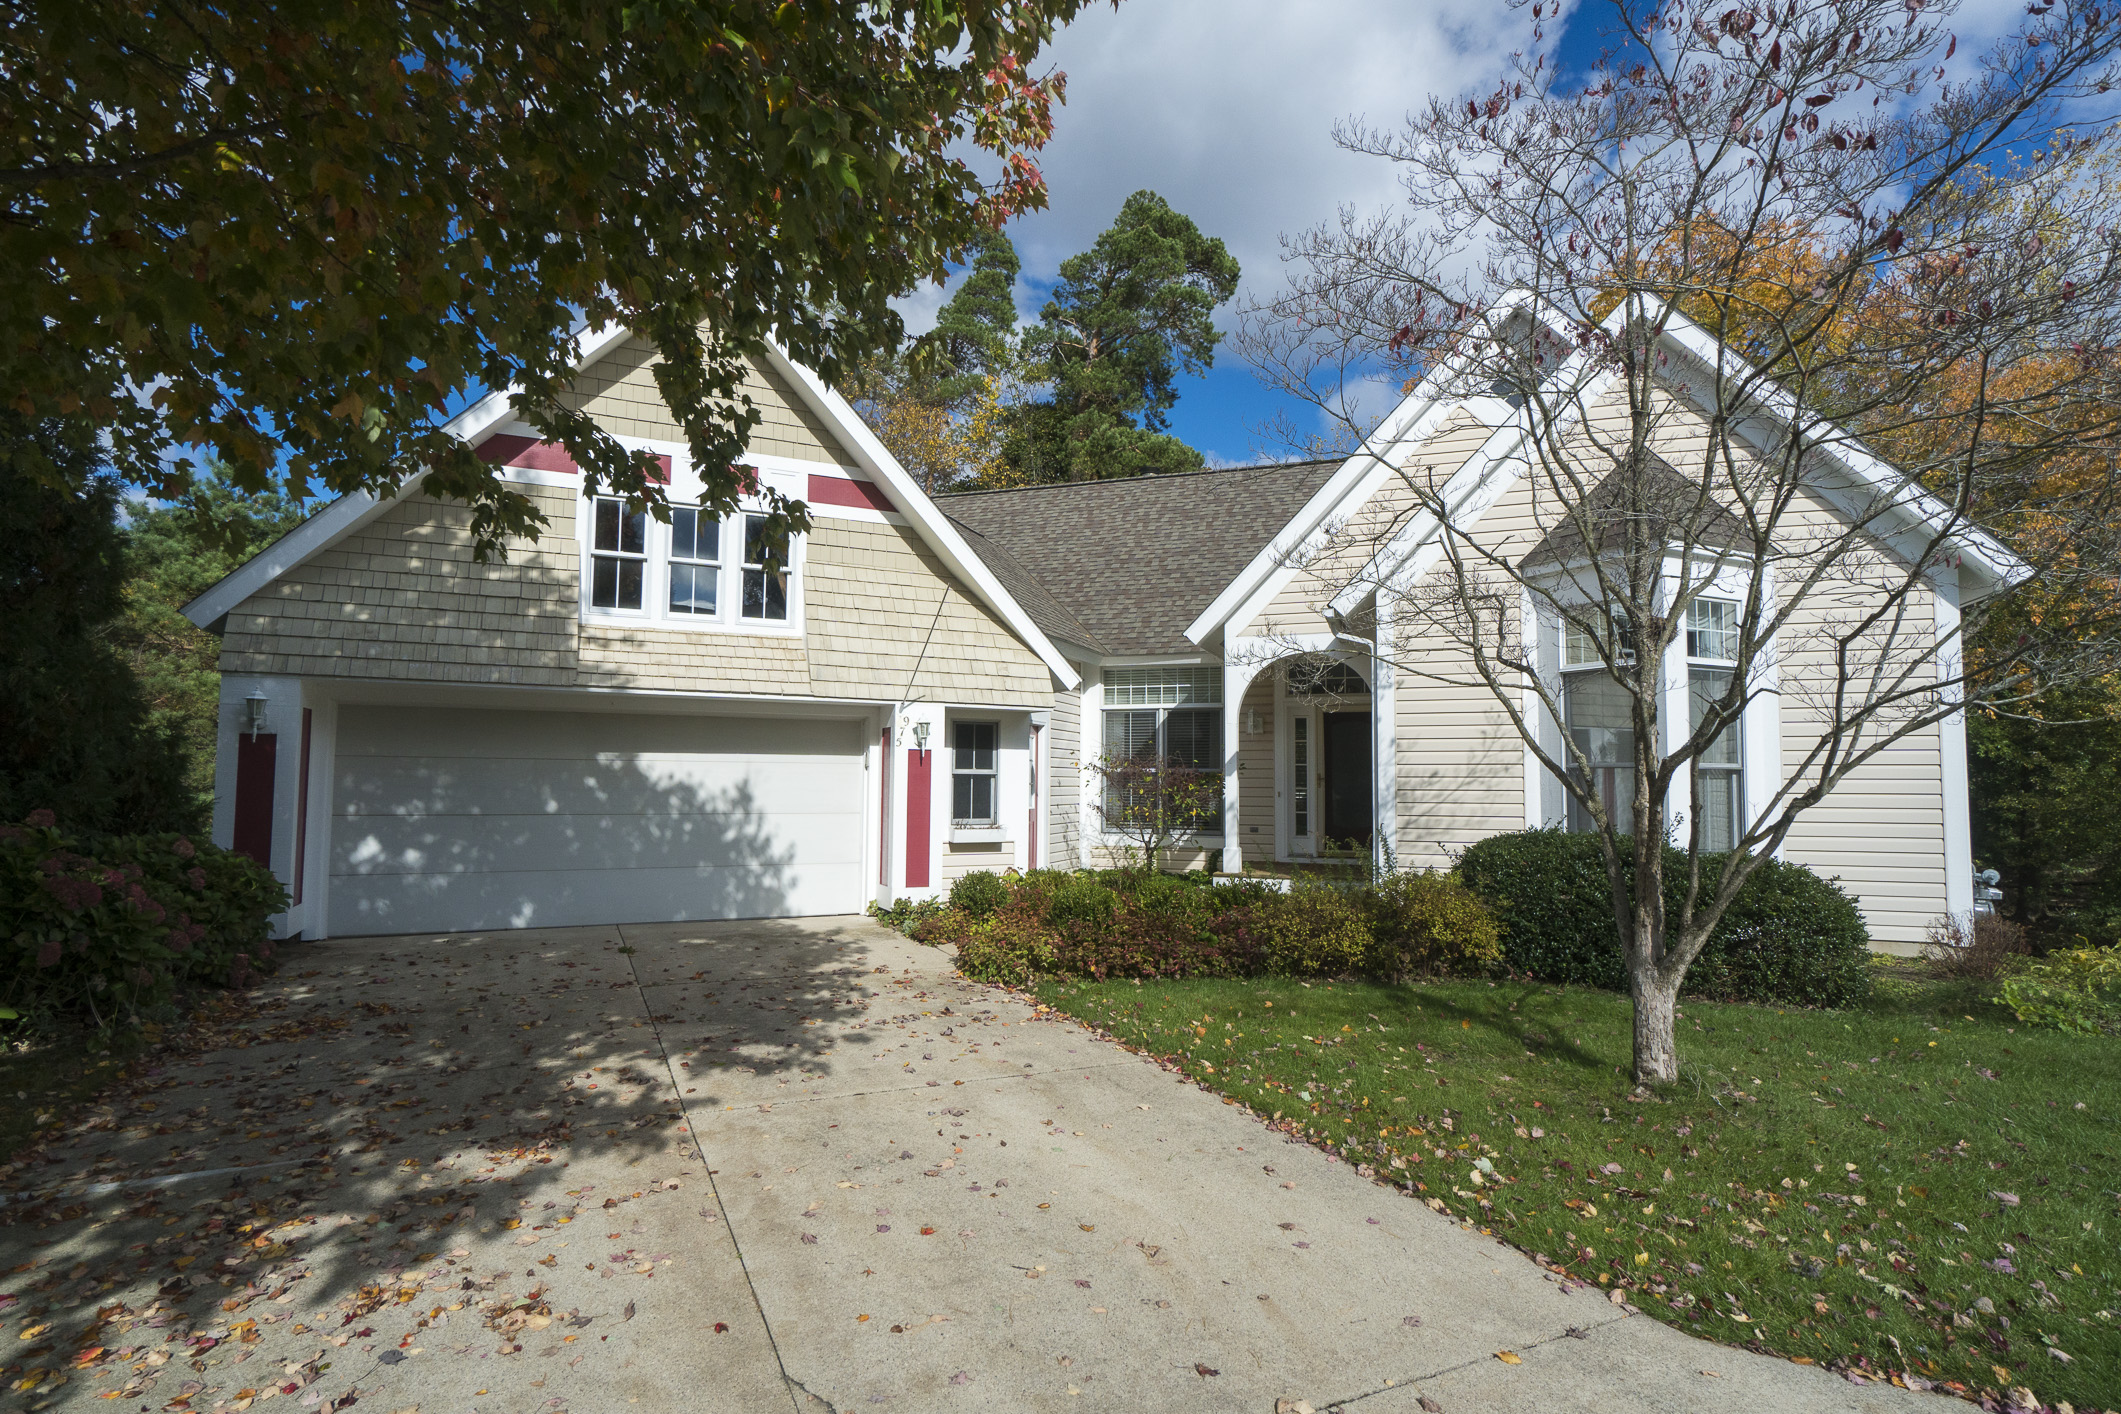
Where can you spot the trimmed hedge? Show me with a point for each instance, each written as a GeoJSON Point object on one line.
{"type": "Point", "coordinates": [109, 928]}
{"type": "Point", "coordinates": [1121, 923]}
{"type": "Point", "coordinates": [1790, 937]}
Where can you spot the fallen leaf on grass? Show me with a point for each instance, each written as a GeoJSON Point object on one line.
{"type": "Point", "coordinates": [2008, 1200]}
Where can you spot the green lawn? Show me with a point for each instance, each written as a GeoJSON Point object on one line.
{"type": "Point", "coordinates": [1924, 1186]}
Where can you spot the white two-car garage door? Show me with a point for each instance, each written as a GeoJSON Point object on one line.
{"type": "Point", "coordinates": [457, 819]}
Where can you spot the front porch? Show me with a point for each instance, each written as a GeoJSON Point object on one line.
{"type": "Point", "coordinates": [1300, 789]}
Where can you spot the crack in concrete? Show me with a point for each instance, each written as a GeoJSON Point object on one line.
{"type": "Point", "coordinates": [692, 1128]}
{"type": "Point", "coordinates": [1408, 1384]}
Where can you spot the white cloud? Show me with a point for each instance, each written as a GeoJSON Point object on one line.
{"type": "Point", "coordinates": [1226, 108]}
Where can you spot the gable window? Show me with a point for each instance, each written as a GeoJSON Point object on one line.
{"type": "Point", "coordinates": [701, 570]}
{"type": "Point", "coordinates": [765, 572]}
{"type": "Point", "coordinates": [619, 555]}
{"type": "Point", "coordinates": [1171, 714]}
{"type": "Point", "coordinates": [972, 772]}
{"type": "Point", "coordinates": [695, 561]}
{"type": "Point", "coordinates": [1711, 638]}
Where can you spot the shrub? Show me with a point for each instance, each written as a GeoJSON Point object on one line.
{"type": "Point", "coordinates": [1167, 944]}
{"type": "Point", "coordinates": [1012, 946]}
{"type": "Point", "coordinates": [110, 928]}
{"type": "Point", "coordinates": [1982, 952]}
{"type": "Point", "coordinates": [1790, 937]}
{"type": "Point", "coordinates": [1315, 930]}
{"type": "Point", "coordinates": [907, 915]}
{"type": "Point", "coordinates": [1429, 923]}
{"type": "Point", "coordinates": [979, 894]}
{"type": "Point", "coordinates": [1081, 904]}
{"type": "Point", "coordinates": [2077, 990]}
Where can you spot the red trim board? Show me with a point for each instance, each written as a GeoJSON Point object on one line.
{"type": "Point", "coordinates": [919, 773]}
{"type": "Point", "coordinates": [254, 792]}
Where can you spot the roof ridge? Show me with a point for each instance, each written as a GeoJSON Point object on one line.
{"type": "Point", "coordinates": [1132, 480]}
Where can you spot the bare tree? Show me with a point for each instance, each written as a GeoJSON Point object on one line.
{"type": "Point", "coordinates": [1154, 801]}
{"type": "Point", "coordinates": [1801, 359]}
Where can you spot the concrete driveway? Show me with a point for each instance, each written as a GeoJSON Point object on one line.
{"type": "Point", "coordinates": [756, 1167]}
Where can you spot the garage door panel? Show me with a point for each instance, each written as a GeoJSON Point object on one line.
{"type": "Point", "coordinates": [402, 731]}
{"type": "Point", "coordinates": [458, 819]}
{"type": "Point", "coordinates": [659, 786]}
{"type": "Point", "coordinates": [487, 843]}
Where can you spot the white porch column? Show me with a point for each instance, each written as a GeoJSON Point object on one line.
{"type": "Point", "coordinates": [1237, 676]}
{"type": "Point", "coordinates": [1384, 745]}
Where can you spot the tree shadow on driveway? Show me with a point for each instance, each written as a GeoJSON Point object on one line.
{"type": "Point", "coordinates": [383, 1149]}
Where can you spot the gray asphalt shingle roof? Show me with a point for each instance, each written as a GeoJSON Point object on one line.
{"type": "Point", "coordinates": [1123, 566]}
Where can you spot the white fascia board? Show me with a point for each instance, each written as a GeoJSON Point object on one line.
{"type": "Point", "coordinates": [1472, 490]}
{"type": "Point", "coordinates": [1413, 422]}
{"type": "Point", "coordinates": [349, 513]}
{"type": "Point", "coordinates": [1415, 419]}
{"type": "Point", "coordinates": [1978, 549]}
{"type": "Point", "coordinates": [921, 512]}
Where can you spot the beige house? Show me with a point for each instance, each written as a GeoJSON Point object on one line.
{"type": "Point", "coordinates": [632, 721]}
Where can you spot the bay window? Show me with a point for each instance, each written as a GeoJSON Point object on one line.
{"type": "Point", "coordinates": [1719, 777]}
{"type": "Point", "coordinates": [1600, 721]}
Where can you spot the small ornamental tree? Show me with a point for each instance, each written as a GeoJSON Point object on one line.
{"type": "Point", "coordinates": [1154, 801]}
{"type": "Point", "coordinates": [1787, 335]}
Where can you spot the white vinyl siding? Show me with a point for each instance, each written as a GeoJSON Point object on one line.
{"type": "Point", "coordinates": [1060, 846]}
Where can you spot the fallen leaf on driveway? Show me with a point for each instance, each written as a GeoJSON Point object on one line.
{"type": "Point", "coordinates": [1204, 1372]}
{"type": "Point", "coordinates": [627, 1314]}
{"type": "Point", "coordinates": [1509, 1357]}
{"type": "Point", "coordinates": [961, 1378]}
{"type": "Point", "coordinates": [1411, 1321]}
{"type": "Point", "coordinates": [811, 1238]}
{"type": "Point", "coordinates": [1430, 1405]}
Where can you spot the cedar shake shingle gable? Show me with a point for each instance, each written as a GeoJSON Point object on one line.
{"type": "Point", "coordinates": [1132, 561]}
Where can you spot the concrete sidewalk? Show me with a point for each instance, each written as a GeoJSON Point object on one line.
{"type": "Point", "coordinates": [752, 1167]}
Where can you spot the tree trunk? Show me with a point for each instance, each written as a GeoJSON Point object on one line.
{"type": "Point", "coordinates": [1656, 1018]}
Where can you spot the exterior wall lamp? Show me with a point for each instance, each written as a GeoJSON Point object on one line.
{"type": "Point", "coordinates": [254, 713]}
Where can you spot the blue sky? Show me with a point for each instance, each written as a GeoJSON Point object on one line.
{"type": "Point", "coordinates": [1227, 108]}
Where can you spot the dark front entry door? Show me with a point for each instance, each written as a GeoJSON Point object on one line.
{"type": "Point", "coordinates": [1347, 814]}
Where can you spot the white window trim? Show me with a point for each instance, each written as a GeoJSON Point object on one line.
{"type": "Point", "coordinates": [968, 829]}
{"type": "Point", "coordinates": [684, 490]}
